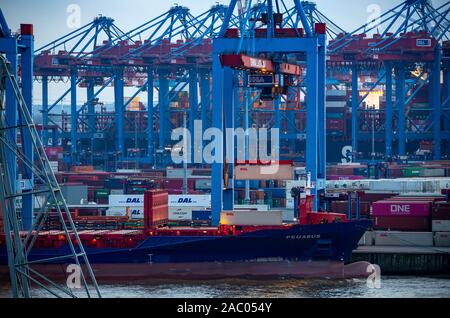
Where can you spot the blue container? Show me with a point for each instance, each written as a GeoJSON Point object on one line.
{"type": "Point", "coordinates": [254, 184]}
{"type": "Point", "coordinates": [278, 193]}
{"type": "Point", "coordinates": [239, 184]}
{"type": "Point", "coordinates": [113, 183]}
{"type": "Point", "coordinates": [201, 215]}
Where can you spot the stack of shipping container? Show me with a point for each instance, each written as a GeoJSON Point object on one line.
{"type": "Point", "coordinates": [187, 209]}
{"type": "Point", "coordinates": [440, 216]}
{"type": "Point", "coordinates": [131, 206]}
{"type": "Point", "coordinates": [336, 104]}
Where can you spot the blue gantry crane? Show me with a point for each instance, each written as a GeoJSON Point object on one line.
{"type": "Point", "coordinates": [403, 48]}
{"type": "Point", "coordinates": [22, 153]}
{"type": "Point", "coordinates": [250, 48]}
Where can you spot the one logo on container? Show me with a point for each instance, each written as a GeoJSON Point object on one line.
{"type": "Point", "coordinates": [400, 209]}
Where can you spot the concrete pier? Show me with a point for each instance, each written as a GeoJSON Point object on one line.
{"type": "Point", "coordinates": [406, 260]}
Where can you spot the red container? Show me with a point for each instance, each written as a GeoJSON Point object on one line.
{"type": "Point", "coordinates": [373, 197]}
{"type": "Point", "coordinates": [54, 153]}
{"type": "Point", "coordinates": [156, 209]}
{"type": "Point", "coordinates": [158, 198]}
{"type": "Point", "coordinates": [401, 223]}
{"type": "Point", "coordinates": [427, 199]}
{"type": "Point", "coordinates": [178, 184]}
{"type": "Point", "coordinates": [441, 211]}
{"type": "Point", "coordinates": [401, 208]}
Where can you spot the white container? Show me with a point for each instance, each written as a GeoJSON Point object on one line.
{"type": "Point", "coordinates": [367, 239]}
{"type": "Point", "coordinates": [193, 200]}
{"type": "Point", "coordinates": [129, 171]}
{"type": "Point", "coordinates": [178, 173]}
{"type": "Point", "coordinates": [256, 207]}
{"type": "Point", "coordinates": [133, 212]}
{"type": "Point", "coordinates": [263, 172]}
{"type": "Point", "coordinates": [440, 225]}
{"type": "Point", "coordinates": [54, 165]}
{"type": "Point", "coordinates": [396, 238]}
{"type": "Point", "coordinates": [203, 184]}
{"type": "Point", "coordinates": [337, 92]}
{"type": "Point", "coordinates": [336, 104]}
{"type": "Point", "coordinates": [181, 214]}
{"type": "Point", "coordinates": [433, 172]}
{"type": "Point", "coordinates": [248, 217]}
{"type": "Point", "coordinates": [295, 183]}
{"type": "Point", "coordinates": [116, 211]}
{"type": "Point", "coordinates": [442, 239]}
{"type": "Point", "coordinates": [126, 200]}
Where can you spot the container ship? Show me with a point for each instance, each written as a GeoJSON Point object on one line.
{"type": "Point", "coordinates": [247, 242]}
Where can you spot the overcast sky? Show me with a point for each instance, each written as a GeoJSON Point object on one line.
{"type": "Point", "coordinates": [50, 17]}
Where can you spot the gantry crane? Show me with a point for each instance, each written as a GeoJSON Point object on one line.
{"type": "Point", "coordinates": [22, 152]}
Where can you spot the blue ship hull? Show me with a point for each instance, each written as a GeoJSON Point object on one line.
{"type": "Point", "coordinates": [333, 242]}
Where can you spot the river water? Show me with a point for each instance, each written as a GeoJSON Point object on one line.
{"type": "Point", "coordinates": [391, 286]}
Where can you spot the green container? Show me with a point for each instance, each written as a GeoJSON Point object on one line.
{"type": "Point", "coordinates": [412, 172]}
{"type": "Point", "coordinates": [101, 193]}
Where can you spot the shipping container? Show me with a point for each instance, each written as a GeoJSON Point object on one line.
{"type": "Point", "coordinates": [412, 172]}
{"type": "Point", "coordinates": [75, 193]}
{"type": "Point", "coordinates": [201, 215]}
{"type": "Point", "coordinates": [178, 173]}
{"type": "Point", "coordinates": [401, 208]}
{"type": "Point", "coordinates": [180, 213]}
{"type": "Point", "coordinates": [116, 211]}
{"type": "Point", "coordinates": [198, 200]}
{"type": "Point", "coordinates": [396, 238]}
{"type": "Point", "coordinates": [442, 239]}
{"type": "Point", "coordinates": [54, 153]}
{"type": "Point", "coordinates": [203, 184]}
{"type": "Point", "coordinates": [440, 225]}
{"type": "Point", "coordinates": [250, 217]}
{"type": "Point", "coordinates": [255, 207]}
{"type": "Point", "coordinates": [433, 172]}
{"type": "Point", "coordinates": [441, 211]}
{"type": "Point", "coordinates": [377, 196]}
{"type": "Point", "coordinates": [126, 200]}
{"type": "Point", "coordinates": [156, 209]}
{"type": "Point", "coordinates": [336, 104]}
{"type": "Point", "coordinates": [401, 223]}
{"type": "Point", "coordinates": [131, 212]}
{"type": "Point", "coordinates": [263, 172]}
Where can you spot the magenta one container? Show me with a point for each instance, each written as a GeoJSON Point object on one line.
{"type": "Point", "coordinates": [401, 208]}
